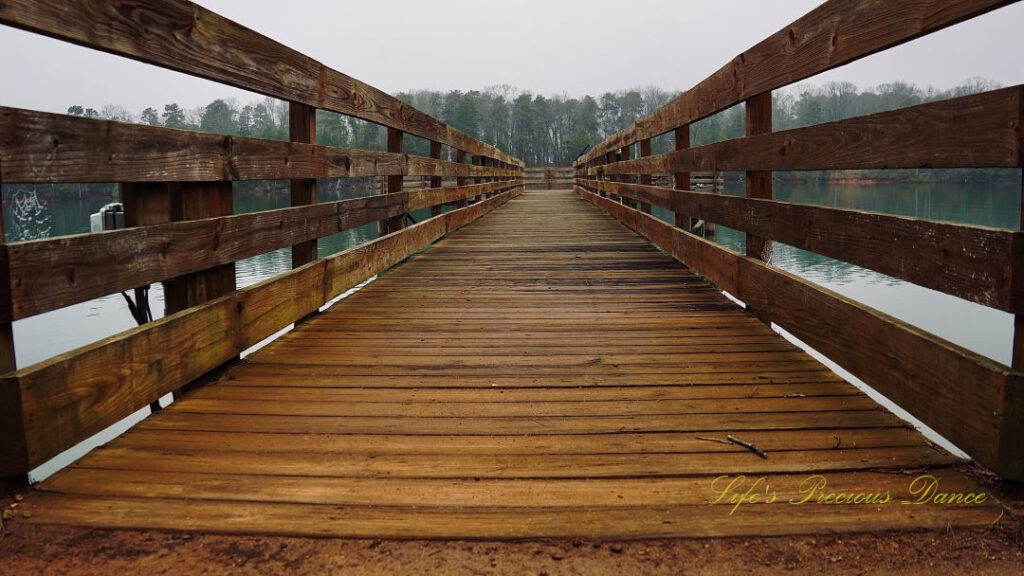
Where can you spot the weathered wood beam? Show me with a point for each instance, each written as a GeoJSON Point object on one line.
{"type": "Point", "coordinates": [971, 262]}
{"type": "Point", "coordinates": [302, 128]}
{"type": "Point", "coordinates": [395, 183]}
{"type": "Point", "coordinates": [976, 131]}
{"type": "Point", "coordinates": [183, 36]}
{"type": "Point", "coordinates": [435, 181]}
{"type": "Point", "coordinates": [759, 182]}
{"type": "Point", "coordinates": [40, 147]}
{"type": "Point", "coordinates": [681, 180]}
{"type": "Point", "coordinates": [55, 272]}
{"type": "Point", "coordinates": [833, 34]}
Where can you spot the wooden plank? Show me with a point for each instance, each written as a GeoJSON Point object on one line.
{"type": "Point", "coordinates": [302, 128]}
{"type": "Point", "coordinates": [524, 466]}
{"type": "Point", "coordinates": [221, 50]}
{"type": "Point", "coordinates": [89, 265]}
{"type": "Point", "coordinates": [519, 493]}
{"type": "Point", "coordinates": [73, 395]}
{"type": "Point", "coordinates": [833, 34]}
{"type": "Point", "coordinates": [920, 372]}
{"type": "Point", "coordinates": [620, 523]}
{"type": "Point", "coordinates": [971, 262]}
{"type": "Point", "coordinates": [498, 426]}
{"type": "Point", "coordinates": [341, 445]}
{"type": "Point", "coordinates": [43, 147]}
{"type": "Point", "coordinates": [240, 390]}
{"type": "Point", "coordinates": [971, 131]}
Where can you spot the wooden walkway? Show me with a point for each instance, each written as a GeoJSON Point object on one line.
{"type": "Point", "coordinates": [533, 374]}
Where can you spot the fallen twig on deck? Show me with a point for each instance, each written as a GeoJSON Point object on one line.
{"type": "Point", "coordinates": [749, 446]}
{"type": "Point", "coordinates": [706, 439]}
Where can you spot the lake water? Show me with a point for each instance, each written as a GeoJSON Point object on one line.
{"type": "Point", "coordinates": [984, 330]}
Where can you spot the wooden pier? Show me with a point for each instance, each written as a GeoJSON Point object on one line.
{"type": "Point", "coordinates": [524, 377]}
{"type": "Point", "coordinates": [564, 362]}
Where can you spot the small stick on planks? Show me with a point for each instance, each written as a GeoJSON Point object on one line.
{"type": "Point", "coordinates": [706, 439]}
{"type": "Point", "coordinates": [749, 446]}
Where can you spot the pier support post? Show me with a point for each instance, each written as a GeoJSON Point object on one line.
{"type": "Point", "coordinates": [645, 179]}
{"type": "Point", "coordinates": [460, 157]}
{"type": "Point", "coordinates": [302, 128]}
{"type": "Point", "coordinates": [624, 154]}
{"type": "Point", "coordinates": [147, 203]}
{"type": "Point", "coordinates": [395, 182]}
{"type": "Point", "coordinates": [681, 180]}
{"type": "Point", "coordinates": [759, 182]}
{"type": "Point", "coordinates": [435, 181]}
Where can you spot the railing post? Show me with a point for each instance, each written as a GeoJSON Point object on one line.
{"type": "Point", "coordinates": [13, 452]}
{"type": "Point", "coordinates": [681, 180]}
{"type": "Point", "coordinates": [460, 157]}
{"type": "Point", "coordinates": [759, 182]}
{"type": "Point", "coordinates": [625, 153]}
{"type": "Point", "coordinates": [302, 128]}
{"type": "Point", "coordinates": [8, 362]}
{"type": "Point", "coordinates": [1018, 319]}
{"type": "Point", "coordinates": [435, 181]}
{"type": "Point", "coordinates": [645, 179]}
{"type": "Point", "coordinates": [395, 182]}
{"type": "Point", "coordinates": [193, 201]}
{"type": "Point", "coordinates": [478, 161]}
{"type": "Point", "coordinates": [148, 203]}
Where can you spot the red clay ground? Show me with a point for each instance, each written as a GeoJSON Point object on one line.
{"type": "Point", "coordinates": [28, 549]}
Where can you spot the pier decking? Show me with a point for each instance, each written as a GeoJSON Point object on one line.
{"type": "Point", "coordinates": [530, 375]}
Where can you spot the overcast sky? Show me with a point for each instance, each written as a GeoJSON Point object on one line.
{"type": "Point", "coordinates": [550, 47]}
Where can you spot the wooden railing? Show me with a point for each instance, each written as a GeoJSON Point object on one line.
{"type": "Point", "coordinates": [975, 402]}
{"type": "Point", "coordinates": [176, 187]}
{"type": "Point", "coordinates": [549, 178]}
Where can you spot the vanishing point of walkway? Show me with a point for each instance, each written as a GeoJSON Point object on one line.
{"type": "Point", "coordinates": [541, 372]}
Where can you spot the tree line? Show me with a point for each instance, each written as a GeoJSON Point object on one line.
{"type": "Point", "coordinates": [541, 130]}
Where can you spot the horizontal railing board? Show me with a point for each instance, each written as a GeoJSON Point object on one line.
{"type": "Point", "coordinates": [980, 130]}
{"type": "Point", "coordinates": [39, 147]}
{"type": "Point", "coordinates": [974, 402]}
{"type": "Point", "coordinates": [971, 262]}
{"type": "Point", "coordinates": [185, 37]}
{"type": "Point", "coordinates": [72, 396]}
{"type": "Point", "coordinates": [836, 33]}
{"type": "Point", "coordinates": [55, 272]}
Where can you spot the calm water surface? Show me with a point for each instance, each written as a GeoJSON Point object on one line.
{"type": "Point", "coordinates": [983, 330]}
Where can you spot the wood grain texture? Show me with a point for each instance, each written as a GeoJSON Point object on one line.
{"type": "Point", "coordinates": [56, 272]}
{"type": "Point", "coordinates": [302, 128]}
{"type": "Point", "coordinates": [529, 375]}
{"type": "Point", "coordinates": [758, 183]}
{"type": "Point", "coordinates": [71, 396]}
{"type": "Point", "coordinates": [835, 33]}
{"type": "Point", "coordinates": [920, 372]}
{"type": "Point", "coordinates": [41, 147]}
{"type": "Point", "coordinates": [183, 36]}
{"type": "Point", "coordinates": [970, 262]}
{"type": "Point", "coordinates": [973, 131]}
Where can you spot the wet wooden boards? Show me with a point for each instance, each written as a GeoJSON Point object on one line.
{"type": "Point", "coordinates": [534, 374]}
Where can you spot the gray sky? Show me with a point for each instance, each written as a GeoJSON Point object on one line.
{"type": "Point", "coordinates": [549, 47]}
